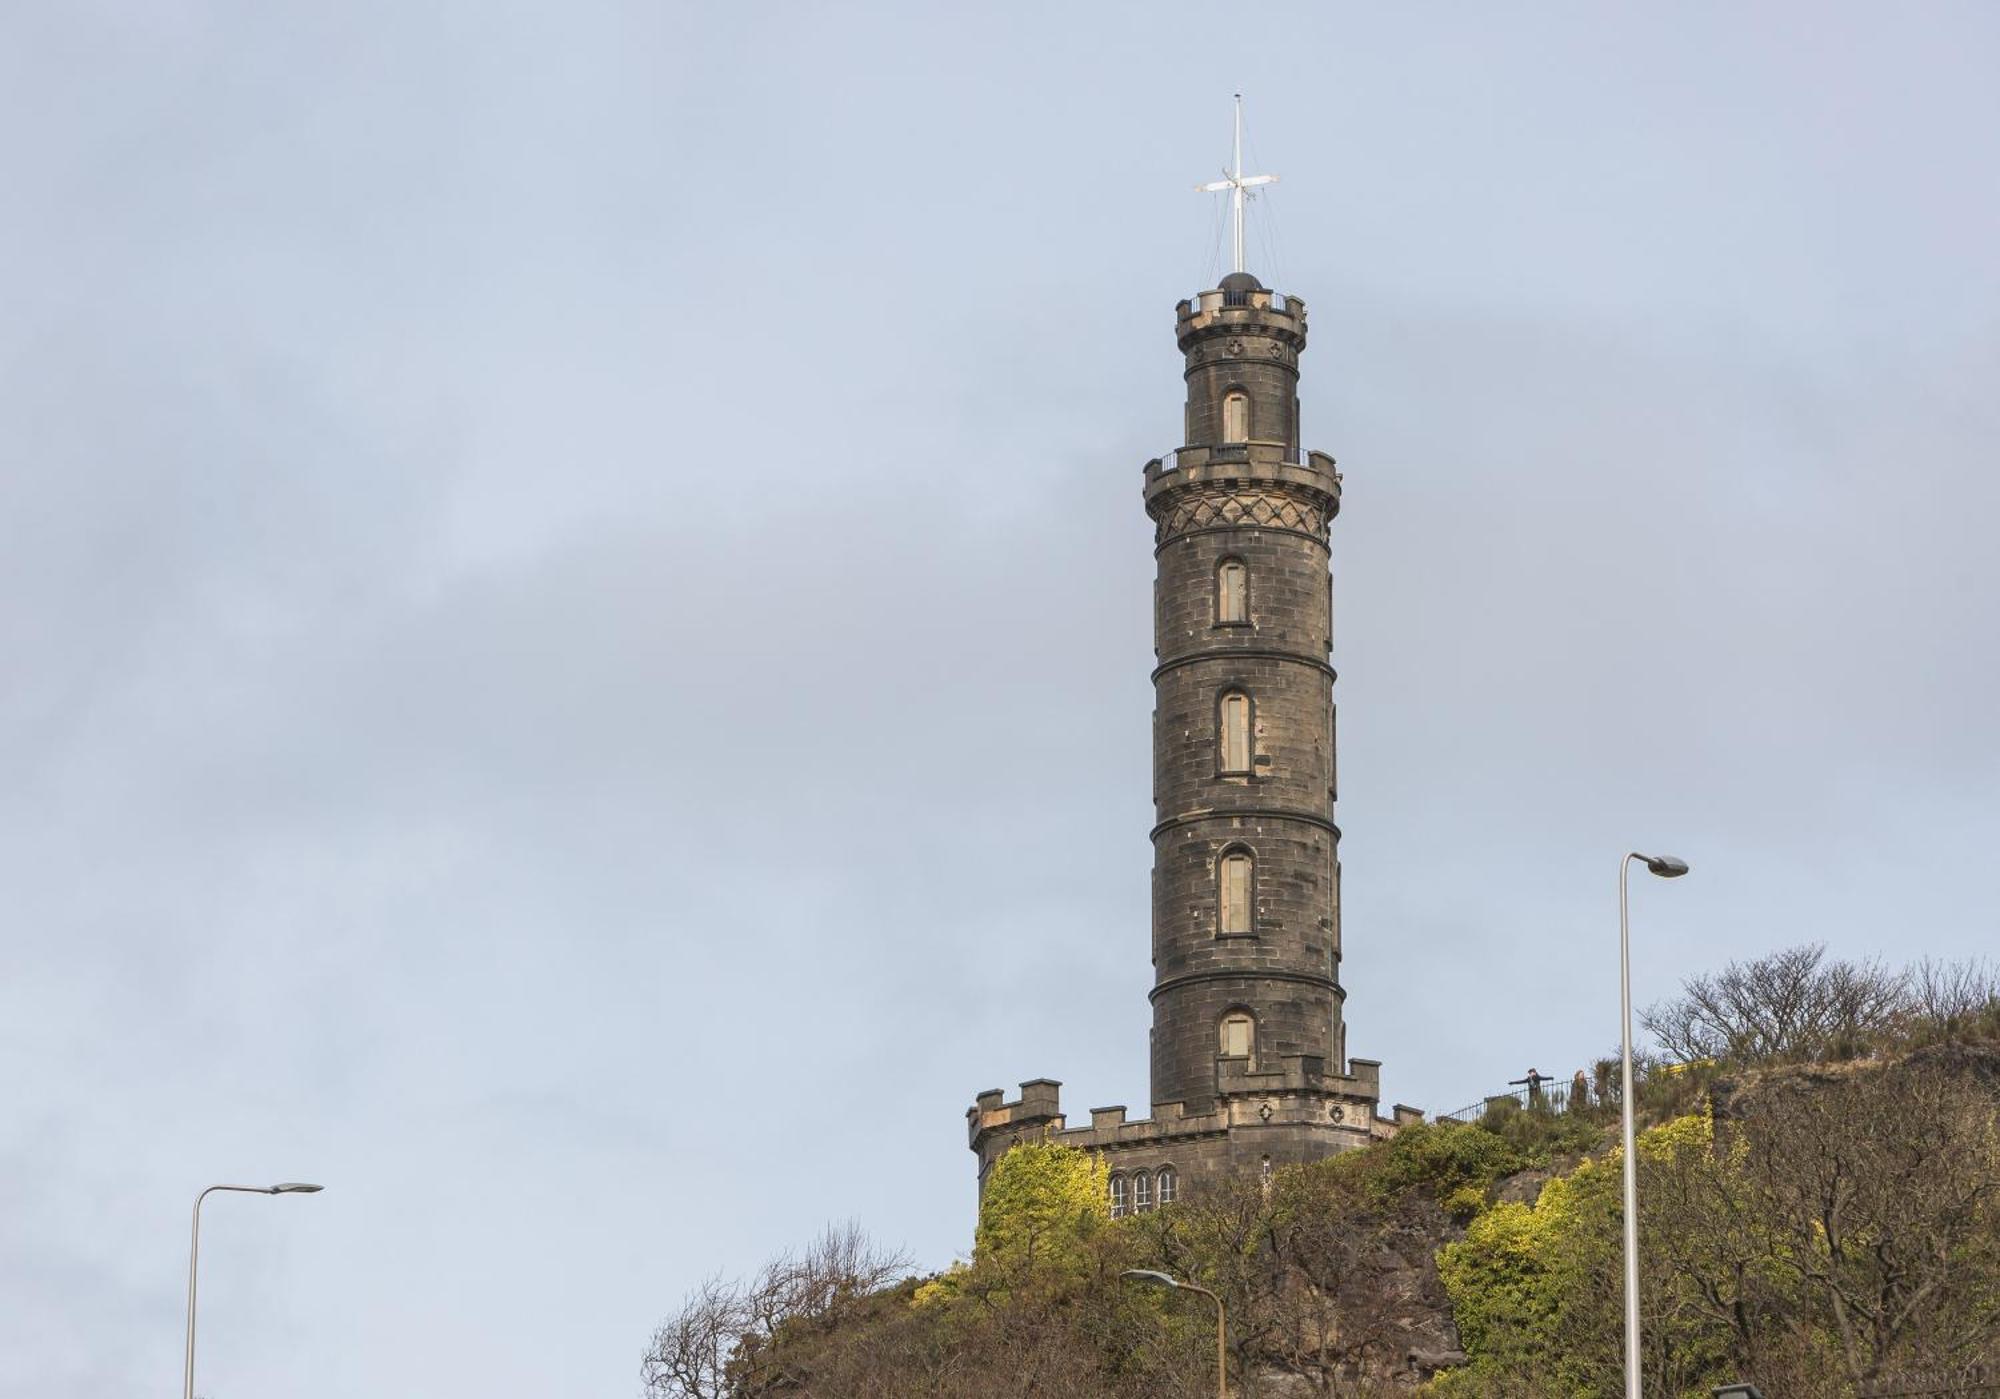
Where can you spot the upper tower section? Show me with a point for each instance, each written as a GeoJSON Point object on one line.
{"type": "Point", "coordinates": [1242, 344]}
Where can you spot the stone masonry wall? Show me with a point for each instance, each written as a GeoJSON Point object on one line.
{"type": "Point", "coordinates": [1263, 507]}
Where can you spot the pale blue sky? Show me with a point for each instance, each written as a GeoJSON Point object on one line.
{"type": "Point", "coordinates": [575, 602]}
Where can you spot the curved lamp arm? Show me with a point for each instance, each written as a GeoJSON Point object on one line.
{"type": "Point", "coordinates": [290, 1187]}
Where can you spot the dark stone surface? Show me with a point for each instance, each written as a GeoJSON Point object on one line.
{"type": "Point", "coordinates": [1285, 973]}
{"type": "Point", "coordinates": [1269, 505]}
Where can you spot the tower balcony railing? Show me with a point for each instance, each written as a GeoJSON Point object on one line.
{"type": "Point", "coordinates": [1247, 453]}
{"type": "Point", "coordinates": [1261, 299]}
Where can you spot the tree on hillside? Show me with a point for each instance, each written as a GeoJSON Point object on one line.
{"type": "Point", "coordinates": [1798, 1005]}
{"type": "Point", "coordinates": [1537, 1289]}
{"type": "Point", "coordinates": [1838, 1227]}
{"type": "Point", "coordinates": [1955, 1000]}
{"type": "Point", "coordinates": [1791, 1005]}
{"type": "Point", "coordinates": [1875, 1199]}
{"type": "Point", "coordinates": [727, 1337]}
{"type": "Point", "coordinates": [1042, 1205]}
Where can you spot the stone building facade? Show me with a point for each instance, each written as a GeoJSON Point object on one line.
{"type": "Point", "coordinates": [1249, 1053]}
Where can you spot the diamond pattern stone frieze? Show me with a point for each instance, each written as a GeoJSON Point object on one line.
{"type": "Point", "coordinates": [1269, 509]}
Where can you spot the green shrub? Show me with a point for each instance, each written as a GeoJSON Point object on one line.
{"type": "Point", "coordinates": [1042, 1205]}
{"type": "Point", "coordinates": [1453, 1163]}
{"type": "Point", "coordinates": [1536, 1290]}
{"type": "Point", "coordinates": [1538, 1137]}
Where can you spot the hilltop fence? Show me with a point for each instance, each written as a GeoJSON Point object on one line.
{"type": "Point", "coordinates": [1551, 1097]}
{"type": "Point", "coordinates": [1555, 1096]}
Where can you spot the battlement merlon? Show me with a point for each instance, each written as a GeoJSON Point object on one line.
{"type": "Point", "coordinates": [1039, 1108]}
{"type": "Point", "coordinates": [1301, 1073]}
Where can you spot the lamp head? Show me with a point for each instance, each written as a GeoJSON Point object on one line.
{"type": "Point", "coordinates": [1148, 1277]}
{"type": "Point", "coordinates": [295, 1187]}
{"type": "Point", "coordinates": [1665, 866]}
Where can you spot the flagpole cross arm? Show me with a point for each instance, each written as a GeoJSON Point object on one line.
{"type": "Point", "coordinates": [1239, 185]}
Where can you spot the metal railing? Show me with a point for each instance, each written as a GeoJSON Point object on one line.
{"type": "Point", "coordinates": [1245, 300]}
{"type": "Point", "coordinates": [1549, 1097]}
{"type": "Point", "coordinates": [1273, 299]}
{"type": "Point", "coordinates": [1553, 1095]}
{"type": "Point", "coordinates": [1269, 453]}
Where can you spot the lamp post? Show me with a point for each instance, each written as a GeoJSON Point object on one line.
{"type": "Point", "coordinates": [1666, 867]}
{"type": "Point", "coordinates": [194, 1251]}
{"type": "Point", "coordinates": [1150, 1278]}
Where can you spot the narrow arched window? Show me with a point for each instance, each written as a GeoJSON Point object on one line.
{"type": "Point", "coordinates": [1118, 1196]}
{"type": "Point", "coordinates": [1236, 416]}
{"type": "Point", "coordinates": [1232, 592]}
{"type": "Point", "coordinates": [1142, 1192]}
{"type": "Point", "coordinates": [1170, 1185]}
{"type": "Point", "coordinates": [1233, 898]}
{"type": "Point", "coordinates": [1239, 1035]}
{"type": "Point", "coordinates": [1234, 719]}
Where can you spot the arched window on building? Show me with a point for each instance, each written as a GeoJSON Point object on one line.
{"type": "Point", "coordinates": [1119, 1188]}
{"type": "Point", "coordinates": [1142, 1192]}
{"type": "Point", "coordinates": [1239, 1035]}
{"type": "Point", "coordinates": [1233, 721]}
{"type": "Point", "coordinates": [1236, 416]}
{"type": "Point", "coordinates": [1232, 592]}
{"type": "Point", "coordinates": [1169, 1185]}
{"type": "Point", "coordinates": [1235, 876]}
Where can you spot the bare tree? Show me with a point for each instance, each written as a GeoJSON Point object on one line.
{"type": "Point", "coordinates": [689, 1354]}
{"type": "Point", "coordinates": [1951, 999]}
{"type": "Point", "coordinates": [1874, 1200]}
{"type": "Point", "coordinates": [723, 1342]}
{"type": "Point", "coordinates": [1793, 1004]}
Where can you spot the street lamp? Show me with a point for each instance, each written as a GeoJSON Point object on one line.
{"type": "Point", "coordinates": [1149, 1278]}
{"type": "Point", "coordinates": [290, 1187]}
{"type": "Point", "coordinates": [1666, 867]}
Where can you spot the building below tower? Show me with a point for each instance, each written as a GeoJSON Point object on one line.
{"type": "Point", "coordinates": [1257, 1123]}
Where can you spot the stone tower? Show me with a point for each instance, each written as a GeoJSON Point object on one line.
{"type": "Point", "coordinates": [1246, 857]}
{"type": "Point", "coordinates": [1249, 1066]}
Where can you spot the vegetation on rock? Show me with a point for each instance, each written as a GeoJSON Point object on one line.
{"type": "Point", "coordinates": [1042, 1206]}
{"type": "Point", "coordinates": [1820, 1227]}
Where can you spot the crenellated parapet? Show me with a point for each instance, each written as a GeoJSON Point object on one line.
{"type": "Point", "coordinates": [1296, 1112]}
{"type": "Point", "coordinates": [1269, 323]}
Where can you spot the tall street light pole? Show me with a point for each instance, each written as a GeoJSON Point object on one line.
{"type": "Point", "coordinates": [194, 1252]}
{"type": "Point", "coordinates": [1666, 867]}
{"type": "Point", "coordinates": [1149, 1278]}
